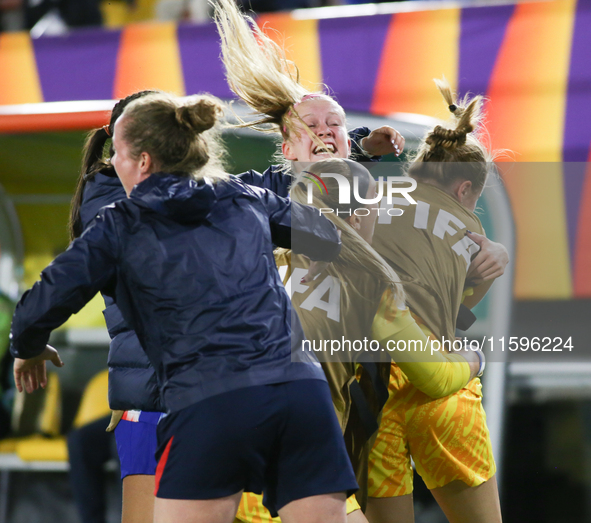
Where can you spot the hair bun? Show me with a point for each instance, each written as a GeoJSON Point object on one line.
{"type": "Point", "coordinates": [447, 138]}
{"type": "Point", "coordinates": [199, 116]}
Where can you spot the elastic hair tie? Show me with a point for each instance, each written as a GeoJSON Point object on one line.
{"type": "Point", "coordinates": [453, 108]}
{"type": "Point", "coordinates": [106, 129]}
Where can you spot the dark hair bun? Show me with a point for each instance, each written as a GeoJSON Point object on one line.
{"type": "Point", "coordinates": [199, 116]}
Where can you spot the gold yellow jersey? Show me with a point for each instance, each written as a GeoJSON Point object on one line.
{"type": "Point", "coordinates": [333, 308]}
{"type": "Point", "coordinates": [428, 249]}
{"type": "Point", "coordinates": [356, 307]}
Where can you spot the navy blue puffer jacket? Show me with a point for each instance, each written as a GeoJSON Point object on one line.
{"type": "Point", "coordinates": [132, 380]}
{"type": "Point", "coordinates": [192, 269]}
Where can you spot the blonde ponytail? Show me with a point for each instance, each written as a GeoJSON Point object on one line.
{"type": "Point", "coordinates": [256, 67]}
{"type": "Point", "coordinates": [259, 73]}
{"type": "Point", "coordinates": [454, 143]}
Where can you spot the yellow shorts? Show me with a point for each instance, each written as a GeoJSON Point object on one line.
{"type": "Point", "coordinates": [251, 509]}
{"type": "Point", "coordinates": [447, 438]}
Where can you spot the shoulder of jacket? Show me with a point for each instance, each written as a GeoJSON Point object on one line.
{"type": "Point", "coordinates": [236, 187]}
{"type": "Point", "coordinates": [119, 210]}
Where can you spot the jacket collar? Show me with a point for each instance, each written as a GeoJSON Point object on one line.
{"type": "Point", "coordinates": [180, 198]}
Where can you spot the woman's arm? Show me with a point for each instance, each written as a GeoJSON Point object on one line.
{"type": "Point", "coordinates": [301, 228]}
{"type": "Point", "coordinates": [32, 372]}
{"type": "Point", "coordinates": [378, 143]}
{"type": "Point", "coordinates": [490, 261]}
{"type": "Point", "coordinates": [275, 178]}
{"type": "Point", "coordinates": [473, 295]}
{"type": "Point", "coordinates": [66, 285]}
{"type": "Point", "coordinates": [486, 267]}
{"type": "Point", "coordinates": [429, 368]}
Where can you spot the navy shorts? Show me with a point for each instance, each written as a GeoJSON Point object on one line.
{"type": "Point", "coordinates": [282, 439]}
{"type": "Point", "coordinates": [137, 443]}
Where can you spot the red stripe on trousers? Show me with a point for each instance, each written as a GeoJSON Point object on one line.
{"type": "Point", "coordinates": [161, 464]}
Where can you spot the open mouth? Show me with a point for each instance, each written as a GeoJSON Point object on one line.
{"type": "Point", "coordinates": [328, 148]}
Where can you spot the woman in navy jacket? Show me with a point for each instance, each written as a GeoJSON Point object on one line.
{"type": "Point", "coordinates": [191, 266]}
{"type": "Point", "coordinates": [133, 388]}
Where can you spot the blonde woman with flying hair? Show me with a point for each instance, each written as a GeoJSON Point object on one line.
{"type": "Point", "coordinates": [358, 297]}
{"type": "Point", "coordinates": [312, 125]}
{"type": "Point", "coordinates": [433, 251]}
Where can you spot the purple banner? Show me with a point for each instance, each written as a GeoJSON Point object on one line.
{"type": "Point", "coordinates": [577, 123]}
{"type": "Point", "coordinates": [200, 56]}
{"type": "Point", "coordinates": [78, 66]}
{"type": "Point", "coordinates": [351, 50]}
{"type": "Point", "coordinates": [482, 31]}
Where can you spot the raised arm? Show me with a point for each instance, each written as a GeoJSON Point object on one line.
{"type": "Point", "coordinates": [370, 146]}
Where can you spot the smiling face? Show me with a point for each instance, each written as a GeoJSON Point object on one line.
{"type": "Point", "coordinates": [326, 119]}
